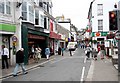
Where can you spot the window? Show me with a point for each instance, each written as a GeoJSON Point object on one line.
{"type": "Point", "coordinates": [48, 7]}
{"type": "Point", "coordinates": [24, 10]}
{"type": "Point", "coordinates": [31, 14]}
{"type": "Point", "coordinates": [5, 7]}
{"type": "Point", "coordinates": [8, 8]}
{"type": "Point", "coordinates": [2, 7]}
{"type": "Point", "coordinates": [41, 4]}
{"type": "Point", "coordinates": [100, 9]}
{"type": "Point", "coordinates": [36, 17]}
{"type": "Point", "coordinates": [100, 25]}
{"type": "Point", "coordinates": [42, 20]}
{"type": "Point", "coordinates": [45, 6]}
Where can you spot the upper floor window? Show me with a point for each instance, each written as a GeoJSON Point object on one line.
{"type": "Point", "coordinates": [2, 7]}
{"type": "Point", "coordinates": [5, 7]}
{"type": "Point", "coordinates": [41, 4]}
{"type": "Point", "coordinates": [36, 17]}
{"type": "Point", "coordinates": [31, 14]}
{"type": "Point", "coordinates": [99, 9]}
{"type": "Point", "coordinates": [8, 8]}
{"type": "Point", "coordinates": [42, 20]}
{"type": "Point", "coordinates": [45, 6]}
{"type": "Point", "coordinates": [100, 25]}
{"type": "Point", "coordinates": [24, 10]}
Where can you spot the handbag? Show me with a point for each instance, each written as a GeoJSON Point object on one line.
{"type": "Point", "coordinates": [85, 51]}
{"type": "Point", "coordinates": [39, 56]}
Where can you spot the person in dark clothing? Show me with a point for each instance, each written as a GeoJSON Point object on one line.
{"type": "Point", "coordinates": [19, 62]}
{"type": "Point", "coordinates": [70, 52]}
{"type": "Point", "coordinates": [62, 50]}
{"type": "Point", "coordinates": [59, 51]}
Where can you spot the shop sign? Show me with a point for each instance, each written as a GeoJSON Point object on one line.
{"type": "Point", "coordinates": [97, 33]}
{"type": "Point", "coordinates": [14, 39]}
{"type": "Point", "coordinates": [117, 35]}
{"type": "Point", "coordinates": [5, 40]}
{"type": "Point", "coordinates": [55, 35]}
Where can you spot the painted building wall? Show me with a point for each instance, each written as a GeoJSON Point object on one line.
{"type": "Point", "coordinates": [108, 5]}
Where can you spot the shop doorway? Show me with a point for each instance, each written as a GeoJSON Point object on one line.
{"type": "Point", "coordinates": [37, 43]}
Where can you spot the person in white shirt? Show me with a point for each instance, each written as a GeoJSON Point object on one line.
{"type": "Point", "coordinates": [4, 53]}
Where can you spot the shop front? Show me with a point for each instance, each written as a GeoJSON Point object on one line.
{"type": "Point", "coordinates": [30, 37]}
{"type": "Point", "coordinates": [54, 42]}
{"type": "Point", "coordinates": [6, 33]}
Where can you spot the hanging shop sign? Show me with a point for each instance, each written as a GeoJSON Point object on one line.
{"type": "Point", "coordinates": [97, 33]}
{"type": "Point", "coordinates": [14, 39]}
{"type": "Point", "coordinates": [117, 35]}
{"type": "Point", "coordinates": [5, 40]}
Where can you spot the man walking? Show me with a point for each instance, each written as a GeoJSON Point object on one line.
{"type": "Point", "coordinates": [4, 54]}
{"type": "Point", "coordinates": [19, 62]}
{"type": "Point", "coordinates": [47, 52]}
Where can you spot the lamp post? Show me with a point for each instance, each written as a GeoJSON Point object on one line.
{"type": "Point", "coordinates": [118, 22]}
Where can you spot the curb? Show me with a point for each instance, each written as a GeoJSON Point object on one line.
{"type": "Point", "coordinates": [27, 69]}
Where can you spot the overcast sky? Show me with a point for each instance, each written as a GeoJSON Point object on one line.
{"type": "Point", "coordinates": [77, 10]}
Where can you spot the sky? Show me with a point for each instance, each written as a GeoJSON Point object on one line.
{"type": "Point", "coordinates": [76, 10]}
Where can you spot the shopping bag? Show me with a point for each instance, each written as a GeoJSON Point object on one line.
{"type": "Point", "coordinates": [39, 56]}
{"type": "Point", "coordinates": [85, 51]}
{"type": "Point", "coordinates": [99, 53]}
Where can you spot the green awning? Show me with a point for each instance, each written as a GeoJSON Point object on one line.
{"type": "Point", "coordinates": [7, 27]}
{"type": "Point", "coordinates": [38, 33]}
{"type": "Point", "coordinates": [102, 34]}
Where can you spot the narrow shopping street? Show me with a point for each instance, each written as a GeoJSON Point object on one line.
{"type": "Point", "coordinates": [60, 41]}
{"type": "Point", "coordinates": [60, 68]}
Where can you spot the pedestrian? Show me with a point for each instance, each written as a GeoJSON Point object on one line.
{"type": "Point", "coordinates": [36, 55]}
{"type": "Point", "coordinates": [62, 50]}
{"type": "Point", "coordinates": [94, 54]}
{"type": "Point", "coordinates": [59, 51]}
{"type": "Point", "coordinates": [32, 54]}
{"type": "Point", "coordinates": [39, 55]}
{"type": "Point", "coordinates": [19, 62]}
{"type": "Point", "coordinates": [47, 52]}
{"type": "Point", "coordinates": [4, 53]}
{"type": "Point", "coordinates": [102, 51]}
{"type": "Point", "coordinates": [88, 50]}
{"type": "Point", "coordinates": [70, 52]}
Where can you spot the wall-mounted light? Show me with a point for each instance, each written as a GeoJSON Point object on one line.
{"type": "Point", "coordinates": [18, 4]}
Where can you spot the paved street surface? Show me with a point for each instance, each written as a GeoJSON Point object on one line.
{"type": "Point", "coordinates": [69, 68]}
{"type": "Point", "coordinates": [102, 70]}
{"type": "Point", "coordinates": [60, 68]}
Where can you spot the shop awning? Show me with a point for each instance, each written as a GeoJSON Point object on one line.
{"type": "Point", "coordinates": [7, 27]}
{"type": "Point", "coordinates": [55, 35]}
{"type": "Point", "coordinates": [36, 37]}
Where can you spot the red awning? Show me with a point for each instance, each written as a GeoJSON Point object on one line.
{"type": "Point", "coordinates": [55, 35]}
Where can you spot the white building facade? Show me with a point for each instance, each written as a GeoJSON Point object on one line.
{"type": "Point", "coordinates": [100, 19]}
